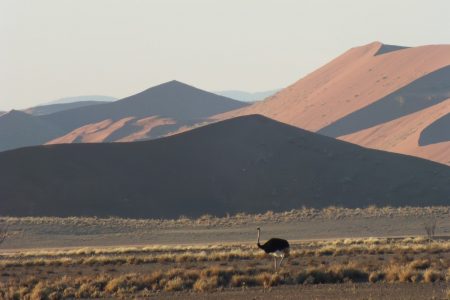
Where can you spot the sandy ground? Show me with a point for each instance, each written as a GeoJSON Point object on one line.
{"type": "Point", "coordinates": [41, 236]}
{"type": "Point", "coordinates": [51, 236]}
{"type": "Point", "coordinates": [326, 291]}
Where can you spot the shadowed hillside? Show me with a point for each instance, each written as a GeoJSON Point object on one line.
{"type": "Point", "coordinates": [18, 129]}
{"type": "Point", "coordinates": [249, 164]}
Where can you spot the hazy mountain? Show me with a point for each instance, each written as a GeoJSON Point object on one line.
{"type": "Point", "coordinates": [246, 164]}
{"type": "Point", "coordinates": [81, 99]}
{"type": "Point", "coordinates": [246, 96]}
{"type": "Point", "coordinates": [53, 108]}
{"type": "Point", "coordinates": [379, 96]}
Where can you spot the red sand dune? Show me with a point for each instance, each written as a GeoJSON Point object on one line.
{"type": "Point", "coordinates": [86, 133]}
{"type": "Point", "coordinates": [368, 87]}
{"type": "Point", "coordinates": [146, 125]}
{"type": "Point", "coordinates": [124, 130]}
{"type": "Point", "coordinates": [402, 135]}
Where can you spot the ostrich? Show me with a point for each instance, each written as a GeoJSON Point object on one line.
{"type": "Point", "coordinates": [275, 247]}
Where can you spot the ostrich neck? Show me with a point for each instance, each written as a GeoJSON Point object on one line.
{"type": "Point", "coordinates": [257, 243]}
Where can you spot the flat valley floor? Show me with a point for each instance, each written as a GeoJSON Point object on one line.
{"type": "Point", "coordinates": [371, 253]}
{"type": "Point", "coordinates": [304, 224]}
{"type": "Point", "coordinates": [399, 291]}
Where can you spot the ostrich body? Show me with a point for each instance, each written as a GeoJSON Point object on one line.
{"type": "Point", "coordinates": [278, 248]}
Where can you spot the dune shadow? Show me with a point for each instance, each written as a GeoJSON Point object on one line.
{"type": "Point", "coordinates": [424, 92]}
{"type": "Point", "coordinates": [129, 127]}
{"type": "Point", "coordinates": [437, 132]}
{"type": "Point", "coordinates": [389, 48]}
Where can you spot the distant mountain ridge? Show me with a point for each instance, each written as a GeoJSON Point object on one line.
{"type": "Point", "coordinates": [83, 98]}
{"type": "Point", "coordinates": [247, 164]}
{"type": "Point", "coordinates": [246, 96]}
{"type": "Point", "coordinates": [54, 108]}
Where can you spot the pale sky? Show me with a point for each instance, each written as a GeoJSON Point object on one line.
{"type": "Point", "coordinates": [51, 49]}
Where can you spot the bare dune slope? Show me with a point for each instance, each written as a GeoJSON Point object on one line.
{"type": "Point", "coordinates": [367, 87]}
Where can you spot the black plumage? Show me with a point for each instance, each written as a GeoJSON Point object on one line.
{"type": "Point", "coordinates": [273, 245]}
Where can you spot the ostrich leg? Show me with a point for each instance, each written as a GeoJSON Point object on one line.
{"type": "Point", "coordinates": [282, 257]}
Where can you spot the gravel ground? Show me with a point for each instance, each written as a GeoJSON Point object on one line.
{"type": "Point", "coordinates": [352, 291]}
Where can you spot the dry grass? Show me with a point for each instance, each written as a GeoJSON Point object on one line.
{"type": "Point", "coordinates": [411, 260]}
{"type": "Point", "coordinates": [432, 275]}
{"type": "Point", "coordinates": [208, 279]}
{"type": "Point", "coordinates": [90, 224]}
{"type": "Point", "coordinates": [199, 281]}
{"type": "Point", "coordinates": [217, 253]}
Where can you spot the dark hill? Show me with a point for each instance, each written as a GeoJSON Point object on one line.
{"type": "Point", "coordinates": [245, 164]}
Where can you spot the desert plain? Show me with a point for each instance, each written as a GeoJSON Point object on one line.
{"type": "Point", "coordinates": [368, 253]}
